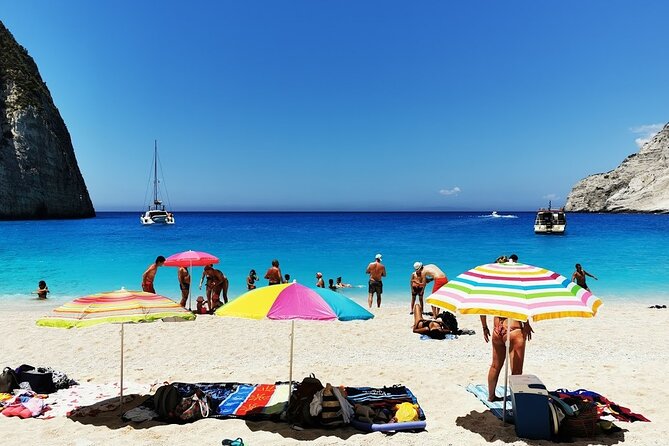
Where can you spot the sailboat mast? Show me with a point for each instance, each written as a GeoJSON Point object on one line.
{"type": "Point", "coordinates": [155, 172]}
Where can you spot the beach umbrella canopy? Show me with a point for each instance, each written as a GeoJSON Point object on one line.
{"type": "Point", "coordinates": [293, 301]}
{"type": "Point", "coordinates": [191, 258]}
{"type": "Point", "coordinates": [119, 307]}
{"type": "Point", "coordinates": [515, 291]}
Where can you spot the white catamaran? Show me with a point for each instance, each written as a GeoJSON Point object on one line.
{"type": "Point", "coordinates": [156, 212]}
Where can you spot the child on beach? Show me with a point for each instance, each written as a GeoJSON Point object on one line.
{"type": "Point", "coordinates": [42, 290]}
{"type": "Point", "coordinates": [201, 306]}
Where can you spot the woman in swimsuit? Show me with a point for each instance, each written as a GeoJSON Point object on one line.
{"type": "Point", "coordinates": [433, 328]}
{"type": "Point", "coordinates": [519, 333]}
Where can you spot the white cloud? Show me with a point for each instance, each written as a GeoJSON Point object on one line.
{"type": "Point", "coordinates": [447, 192]}
{"type": "Point", "coordinates": [551, 197]}
{"type": "Point", "coordinates": [645, 132]}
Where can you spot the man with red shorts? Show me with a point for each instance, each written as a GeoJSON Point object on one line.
{"type": "Point", "coordinates": [150, 274]}
{"type": "Point", "coordinates": [434, 273]}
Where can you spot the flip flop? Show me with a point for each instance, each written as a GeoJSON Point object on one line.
{"type": "Point", "coordinates": [236, 442]}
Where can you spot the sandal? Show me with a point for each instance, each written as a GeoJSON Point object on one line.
{"type": "Point", "coordinates": [236, 442]}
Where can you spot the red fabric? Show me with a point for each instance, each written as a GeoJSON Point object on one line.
{"type": "Point", "coordinates": [438, 283]}
{"type": "Point", "coordinates": [257, 399]}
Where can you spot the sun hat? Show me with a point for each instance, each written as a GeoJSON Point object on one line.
{"type": "Point", "coordinates": [378, 256]}
{"type": "Point", "coordinates": [319, 274]}
{"type": "Point", "coordinates": [417, 266]}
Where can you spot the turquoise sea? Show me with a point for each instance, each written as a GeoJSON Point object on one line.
{"type": "Point", "coordinates": [628, 253]}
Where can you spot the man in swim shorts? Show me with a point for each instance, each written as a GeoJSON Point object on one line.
{"type": "Point", "coordinates": [150, 274]}
{"type": "Point", "coordinates": [184, 284]}
{"type": "Point", "coordinates": [376, 271]}
{"type": "Point", "coordinates": [434, 274]}
{"type": "Point", "coordinates": [417, 285]}
{"type": "Point", "coordinates": [579, 277]}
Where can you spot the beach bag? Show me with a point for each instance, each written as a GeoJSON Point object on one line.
{"type": "Point", "coordinates": [194, 407]}
{"type": "Point", "coordinates": [8, 381]}
{"type": "Point", "coordinates": [40, 382]}
{"type": "Point", "coordinates": [165, 400]}
{"type": "Point", "coordinates": [331, 413]}
{"type": "Point", "coordinates": [298, 406]}
{"type": "Point", "coordinates": [583, 423]}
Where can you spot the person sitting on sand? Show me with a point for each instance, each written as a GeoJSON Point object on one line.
{"type": "Point", "coordinates": [579, 277]}
{"type": "Point", "coordinates": [201, 306]}
{"type": "Point", "coordinates": [42, 290]}
{"type": "Point", "coordinates": [434, 328]}
{"type": "Point", "coordinates": [520, 332]}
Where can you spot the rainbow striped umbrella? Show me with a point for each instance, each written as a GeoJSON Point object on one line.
{"type": "Point", "coordinates": [118, 307]}
{"type": "Point", "coordinates": [516, 291]}
{"type": "Point", "coordinates": [292, 301]}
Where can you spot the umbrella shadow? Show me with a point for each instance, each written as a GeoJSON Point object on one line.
{"type": "Point", "coordinates": [491, 429]}
{"type": "Point", "coordinates": [287, 431]}
{"type": "Point", "coordinates": [109, 413]}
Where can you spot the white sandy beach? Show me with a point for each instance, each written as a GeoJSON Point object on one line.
{"type": "Point", "coordinates": [622, 354]}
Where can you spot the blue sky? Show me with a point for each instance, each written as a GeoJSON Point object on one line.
{"type": "Point", "coordinates": [357, 105]}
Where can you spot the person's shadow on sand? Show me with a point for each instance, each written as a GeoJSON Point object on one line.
{"type": "Point", "coordinates": [491, 429]}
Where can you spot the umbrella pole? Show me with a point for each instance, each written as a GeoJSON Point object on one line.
{"type": "Point", "coordinates": [506, 367]}
{"type": "Point", "coordinates": [190, 285]}
{"type": "Point", "coordinates": [121, 397]}
{"type": "Point", "coordinates": [290, 373]}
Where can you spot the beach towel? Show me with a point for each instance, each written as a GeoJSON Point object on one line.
{"type": "Point", "coordinates": [605, 407]}
{"type": "Point", "coordinates": [375, 408]}
{"type": "Point", "coordinates": [480, 391]}
{"type": "Point", "coordinates": [84, 399]}
{"type": "Point", "coordinates": [228, 400]}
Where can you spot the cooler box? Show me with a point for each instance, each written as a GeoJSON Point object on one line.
{"type": "Point", "coordinates": [530, 407]}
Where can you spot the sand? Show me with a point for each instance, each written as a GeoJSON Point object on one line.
{"type": "Point", "coordinates": [622, 354]}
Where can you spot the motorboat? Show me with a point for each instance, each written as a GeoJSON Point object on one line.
{"type": "Point", "coordinates": [156, 212]}
{"type": "Point", "coordinates": [550, 221]}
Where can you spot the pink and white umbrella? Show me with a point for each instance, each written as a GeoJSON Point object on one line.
{"type": "Point", "coordinates": [191, 258]}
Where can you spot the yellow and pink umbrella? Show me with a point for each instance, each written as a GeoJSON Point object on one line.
{"type": "Point", "coordinates": [293, 301]}
{"type": "Point", "coordinates": [119, 307]}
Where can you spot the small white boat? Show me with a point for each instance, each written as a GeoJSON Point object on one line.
{"type": "Point", "coordinates": [550, 221]}
{"type": "Point", "coordinates": [495, 214]}
{"type": "Point", "coordinates": [156, 212]}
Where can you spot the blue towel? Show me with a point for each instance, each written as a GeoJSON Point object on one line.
{"type": "Point", "coordinates": [480, 391]}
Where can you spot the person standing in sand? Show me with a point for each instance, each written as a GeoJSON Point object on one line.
{"type": "Point", "coordinates": [320, 283]}
{"type": "Point", "coordinates": [519, 334]}
{"type": "Point", "coordinates": [216, 283]}
{"type": "Point", "coordinates": [184, 284]}
{"type": "Point", "coordinates": [417, 285]}
{"type": "Point", "coordinates": [150, 274]}
{"type": "Point", "coordinates": [434, 274]}
{"type": "Point", "coordinates": [579, 277]}
{"type": "Point", "coordinates": [273, 274]}
{"type": "Point", "coordinates": [376, 271]}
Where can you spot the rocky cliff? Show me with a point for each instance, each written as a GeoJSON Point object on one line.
{"type": "Point", "coordinates": [39, 175]}
{"type": "Point", "coordinates": [639, 184]}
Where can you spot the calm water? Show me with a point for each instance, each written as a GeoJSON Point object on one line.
{"type": "Point", "coordinates": [628, 253]}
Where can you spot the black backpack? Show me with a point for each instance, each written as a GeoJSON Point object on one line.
{"type": "Point", "coordinates": [166, 400]}
{"type": "Point", "coordinates": [298, 406]}
{"type": "Point", "coordinates": [8, 381]}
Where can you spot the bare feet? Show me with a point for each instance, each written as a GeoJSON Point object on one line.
{"type": "Point", "coordinates": [495, 398]}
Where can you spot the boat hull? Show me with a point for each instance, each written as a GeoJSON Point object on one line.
{"type": "Point", "coordinates": [156, 217]}
{"type": "Point", "coordinates": [554, 229]}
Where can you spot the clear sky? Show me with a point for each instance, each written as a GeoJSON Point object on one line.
{"type": "Point", "coordinates": [357, 105]}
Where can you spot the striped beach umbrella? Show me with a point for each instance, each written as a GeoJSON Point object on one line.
{"type": "Point", "coordinates": [515, 291]}
{"type": "Point", "coordinates": [291, 301]}
{"type": "Point", "coordinates": [120, 307]}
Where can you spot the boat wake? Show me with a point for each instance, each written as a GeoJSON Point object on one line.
{"type": "Point", "coordinates": [494, 214]}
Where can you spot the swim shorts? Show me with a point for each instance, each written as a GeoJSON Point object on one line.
{"type": "Point", "coordinates": [417, 291]}
{"type": "Point", "coordinates": [148, 287]}
{"type": "Point", "coordinates": [375, 286]}
{"type": "Point", "coordinates": [438, 283]}
{"type": "Point", "coordinates": [184, 286]}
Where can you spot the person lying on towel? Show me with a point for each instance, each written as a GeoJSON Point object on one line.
{"type": "Point", "coordinates": [434, 328]}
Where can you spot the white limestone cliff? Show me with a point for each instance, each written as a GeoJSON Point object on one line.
{"type": "Point", "coordinates": [639, 184]}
